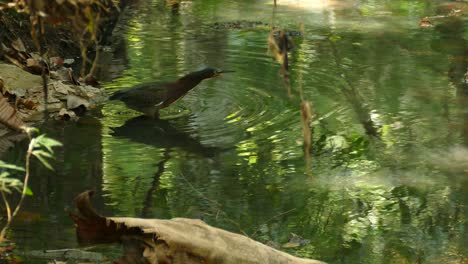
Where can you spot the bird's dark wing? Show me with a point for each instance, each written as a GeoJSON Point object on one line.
{"type": "Point", "coordinates": [143, 95]}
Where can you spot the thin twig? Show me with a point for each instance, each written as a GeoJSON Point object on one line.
{"type": "Point", "coordinates": [354, 97]}
{"type": "Point", "coordinates": [95, 62]}
{"type": "Point", "coordinates": [96, 44]}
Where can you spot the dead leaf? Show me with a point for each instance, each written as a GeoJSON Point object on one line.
{"type": "Point", "coordinates": [61, 88]}
{"type": "Point", "coordinates": [279, 43]}
{"type": "Point", "coordinates": [295, 241]}
{"type": "Point", "coordinates": [26, 103]}
{"type": "Point", "coordinates": [176, 241]}
{"type": "Point", "coordinates": [8, 115]}
{"type": "Point", "coordinates": [18, 45]}
{"type": "Point", "coordinates": [56, 61]}
{"type": "Point", "coordinates": [33, 66]}
{"type": "Point", "coordinates": [425, 22]}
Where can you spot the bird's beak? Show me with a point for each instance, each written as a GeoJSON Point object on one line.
{"type": "Point", "coordinates": [224, 71]}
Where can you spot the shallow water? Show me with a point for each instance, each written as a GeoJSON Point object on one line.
{"type": "Point", "coordinates": [388, 176]}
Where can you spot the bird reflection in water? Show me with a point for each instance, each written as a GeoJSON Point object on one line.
{"type": "Point", "coordinates": [162, 133]}
{"type": "Point", "coordinates": [165, 134]}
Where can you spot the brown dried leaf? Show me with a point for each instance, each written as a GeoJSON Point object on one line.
{"type": "Point", "coordinates": [8, 115]}
{"type": "Point", "coordinates": [27, 104]}
{"type": "Point", "coordinates": [34, 66]}
{"type": "Point", "coordinates": [30, 62]}
{"type": "Point", "coordinates": [425, 22]}
{"type": "Point", "coordinates": [279, 43]}
{"type": "Point", "coordinates": [18, 45]}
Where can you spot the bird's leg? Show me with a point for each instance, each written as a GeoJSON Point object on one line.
{"type": "Point", "coordinates": [151, 112]}
{"type": "Point", "coordinates": [155, 114]}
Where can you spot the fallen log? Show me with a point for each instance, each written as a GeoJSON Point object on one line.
{"type": "Point", "coordinates": [178, 240]}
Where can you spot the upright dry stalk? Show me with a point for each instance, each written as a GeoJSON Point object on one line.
{"type": "Point", "coordinates": [306, 116]}
{"type": "Point", "coordinates": [95, 62]}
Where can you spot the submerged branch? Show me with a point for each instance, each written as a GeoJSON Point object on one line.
{"type": "Point", "coordinates": [147, 205]}
{"type": "Point", "coordinates": [353, 96]}
{"type": "Point", "coordinates": [306, 117]}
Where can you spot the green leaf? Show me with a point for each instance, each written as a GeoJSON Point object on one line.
{"type": "Point", "coordinates": [10, 166]}
{"type": "Point", "coordinates": [44, 162]}
{"type": "Point", "coordinates": [17, 188]}
{"type": "Point", "coordinates": [6, 184]}
{"type": "Point", "coordinates": [48, 143]}
{"type": "Point", "coordinates": [40, 137]}
{"type": "Point", "coordinates": [29, 192]}
{"type": "Point", "coordinates": [42, 153]}
{"type": "Point", "coordinates": [4, 175]}
{"type": "Point", "coordinates": [334, 38]}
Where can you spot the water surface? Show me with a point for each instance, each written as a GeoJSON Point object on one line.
{"type": "Point", "coordinates": [388, 175]}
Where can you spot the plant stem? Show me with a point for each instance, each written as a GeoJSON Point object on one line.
{"type": "Point", "coordinates": [7, 205]}
{"type": "Point", "coordinates": [32, 143]}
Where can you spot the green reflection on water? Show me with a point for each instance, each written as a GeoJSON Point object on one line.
{"type": "Point", "coordinates": [233, 154]}
{"type": "Point", "coordinates": [371, 200]}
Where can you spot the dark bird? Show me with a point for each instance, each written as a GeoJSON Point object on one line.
{"type": "Point", "coordinates": [148, 98]}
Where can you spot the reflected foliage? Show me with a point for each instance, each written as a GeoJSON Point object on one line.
{"type": "Point", "coordinates": [389, 137]}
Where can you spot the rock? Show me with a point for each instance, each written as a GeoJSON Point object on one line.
{"type": "Point", "coordinates": [65, 114]}
{"type": "Point", "coordinates": [74, 101]}
{"type": "Point", "coordinates": [61, 88]}
{"type": "Point", "coordinates": [62, 97]}
{"type": "Point", "coordinates": [53, 107]}
{"type": "Point", "coordinates": [17, 81]}
{"type": "Point", "coordinates": [30, 116]}
{"type": "Point", "coordinates": [92, 94]}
